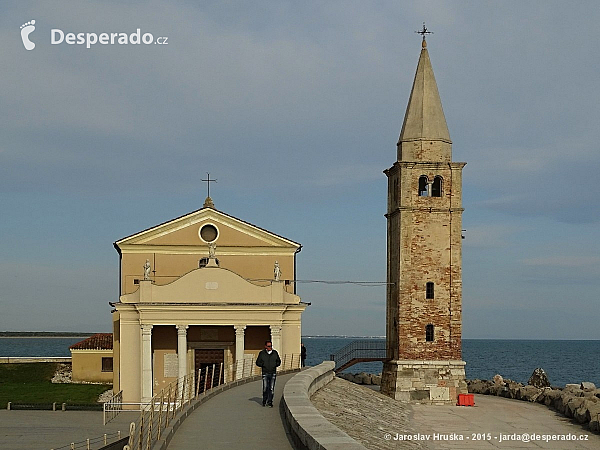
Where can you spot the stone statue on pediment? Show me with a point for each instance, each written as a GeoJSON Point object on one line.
{"type": "Point", "coordinates": [147, 270]}
{"type": "Point", "coordinates": [277, 271]}
{"type": "Point", "coordinates": [212, 247]}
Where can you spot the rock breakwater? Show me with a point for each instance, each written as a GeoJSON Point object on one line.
{"type": "Point", "coordinates": [580, 402]}
{"type": "Point", "coordinates": [362, 378]}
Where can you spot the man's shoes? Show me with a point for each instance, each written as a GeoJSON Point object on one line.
{"type": "Point", "coordinates": [264, 404]}
{"type": "Point", "coordinates": [270, 405]}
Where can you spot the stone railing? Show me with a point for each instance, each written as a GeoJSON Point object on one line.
{"type": "Point", "coordinates": [309, 429]}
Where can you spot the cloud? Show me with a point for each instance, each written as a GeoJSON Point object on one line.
{"type": "Point", "coordinates": [347, 174]}
{"type": "Point", "coordinates": [565, 261]}
{"type": "Point", "coordinates": [490, 236]}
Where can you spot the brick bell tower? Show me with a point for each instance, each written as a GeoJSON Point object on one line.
{"type": "Point", "coordinates": [424, 295]}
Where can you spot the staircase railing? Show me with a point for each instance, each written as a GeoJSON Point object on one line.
{"type": "Point", "coordinates": [365, 350]}
{"type": "Point", "coordinates": [112, 408]}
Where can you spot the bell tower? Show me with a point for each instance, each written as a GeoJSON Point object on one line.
{"type": "Point", "coordinates": [424, 261]}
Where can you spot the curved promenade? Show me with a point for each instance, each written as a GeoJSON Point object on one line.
{"type": "Point", "coordinates": [236, 419]}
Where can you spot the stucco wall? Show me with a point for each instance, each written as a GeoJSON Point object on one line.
{"type": "Point", "coordinates": [87, 365]}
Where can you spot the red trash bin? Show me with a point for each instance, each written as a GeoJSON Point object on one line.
{"type": "Point", "coordinates": [466, 400]}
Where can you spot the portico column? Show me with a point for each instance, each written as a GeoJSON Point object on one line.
{"type": "Point", "coordinates": [146, 362]}
{"type": "Point", "coordinates": [276, 339]}
{"type": "Point", "coordinates": [181, 353]}
{"type": "Point", "coordinates": [239, 349]}
{"type": "Point", "coordinates": [182, 349]}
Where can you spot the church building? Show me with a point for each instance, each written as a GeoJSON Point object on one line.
{"type": "Point", "coordinates": [205, 288]}
{"type": "Point", "coordinates": [424, 260]}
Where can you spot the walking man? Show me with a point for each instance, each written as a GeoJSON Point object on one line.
{"type": "Point", "coordinates": [303, 354]}
{"type": "Point", "coordinates": [268, 360]}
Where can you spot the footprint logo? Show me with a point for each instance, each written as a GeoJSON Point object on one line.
{"type": "Point", "coordinates": [26, 30]}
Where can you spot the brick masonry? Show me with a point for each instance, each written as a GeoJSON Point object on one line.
{"type": "Point", "coordinates": [424, 245]}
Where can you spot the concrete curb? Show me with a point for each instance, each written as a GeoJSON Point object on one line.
{"type": "Point", "coordinates": [308, 428]}
{"type": "Point", "coordinates": [33, 359]}
{"type": "Point", "coordinates": [168, 433]}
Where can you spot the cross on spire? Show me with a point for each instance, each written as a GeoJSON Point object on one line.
{"type": "Point", "coordinates": [424, 31]}
{"type": "Point", "coordinates": [208, 181]}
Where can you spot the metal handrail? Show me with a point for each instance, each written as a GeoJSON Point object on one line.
{"type": "Point", "coordinates": [359, 351]}
{"type": "Point", "coordinates": [109, 408]}
{"type": "Point", "coordinates": [164, 406]}
{"type": "Point", "coordinates": [88, 444]}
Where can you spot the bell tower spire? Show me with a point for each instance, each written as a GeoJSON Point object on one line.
{"type": "Point", "coordinates": [424, 132]}
{"type": "Point", "coordinates": [424, 256]}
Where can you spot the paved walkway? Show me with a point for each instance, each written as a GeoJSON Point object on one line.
{"type": "Point", "coordinates": [32, 430]}
{"type": "Point", "coordinates": [236, 419]}
{"type": "Point", "coordinates": [378, 422]}
{"type": "Point", "coordinates": [501, 423]}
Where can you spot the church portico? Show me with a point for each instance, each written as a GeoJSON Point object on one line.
{"type": "Point", "coordinates": [201, 345]}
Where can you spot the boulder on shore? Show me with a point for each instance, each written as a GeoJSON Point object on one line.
{"type": "Point", "coordinates": [529, 393]}
{"type": "Point", "coordinates": [365, 378]}
{"type": "Point", "coordinates": [580, 402]}
{"type": "Point", "coordinates": [539, 379]}
{"type": "Point", "coordinates": [498, 380]}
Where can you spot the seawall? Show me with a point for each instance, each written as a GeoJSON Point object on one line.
{"type": "Point", "coordinates": [34, 359]}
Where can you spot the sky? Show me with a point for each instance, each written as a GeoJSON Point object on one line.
{"type": "Point", "coordinates": [296, 108]}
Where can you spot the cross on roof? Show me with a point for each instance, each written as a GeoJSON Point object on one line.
{"type": "Point", "coordinates": [208, 181]}
{"type": "Point", "coordinates": [424, 31]}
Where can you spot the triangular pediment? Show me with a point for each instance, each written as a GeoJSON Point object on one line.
{"type": "Point", "coordinates": [184, 231]}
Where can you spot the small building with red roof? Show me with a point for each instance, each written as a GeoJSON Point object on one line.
{"type": "Point", "coordinates": [92, 359]}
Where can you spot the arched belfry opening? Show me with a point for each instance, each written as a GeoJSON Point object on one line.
{"type": "Point", "coordinates": [424, 260]}
{"type": "Point", "coordinates": [436, 187]}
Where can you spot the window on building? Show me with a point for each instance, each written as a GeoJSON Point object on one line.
{"type": "Point", "coordinates": [436, 188]}
{"type": "Point", "coordinates": [107, 364]}
{"type": "Point", "coordinates": [429, 333]}
{"type": "Point", "coordinates": [429, 290]}
{"type": "Point", "coordinates": [423, 188]}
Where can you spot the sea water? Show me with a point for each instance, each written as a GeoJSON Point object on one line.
{"type": "Point", "coordinates": [36, 346]}
{"type": "Point", "coordinates": [564, 361]}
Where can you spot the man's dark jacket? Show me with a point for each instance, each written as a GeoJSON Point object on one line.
{"type": "Point", "coordinates": [268, 363]}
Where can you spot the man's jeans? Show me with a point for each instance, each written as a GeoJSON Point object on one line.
{"type": "Point", "coordinates": [268, 380]}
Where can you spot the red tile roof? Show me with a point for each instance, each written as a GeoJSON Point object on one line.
{"type": "Point", "coordinates": [99, 341]}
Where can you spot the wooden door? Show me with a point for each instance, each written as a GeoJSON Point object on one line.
{"type": "Point", "coordinates": [210, 362]}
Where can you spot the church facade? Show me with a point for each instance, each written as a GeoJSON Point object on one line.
{"type": "Point", "coordinates": [424, 259]}
{"type": "Point", "coordinates": [205, 288]}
